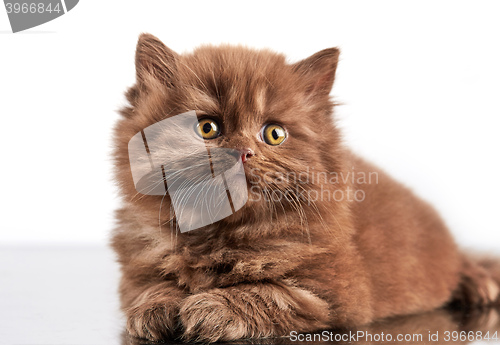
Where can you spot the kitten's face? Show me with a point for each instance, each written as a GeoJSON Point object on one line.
{"type": "Point", "coordinates": [276, 115]}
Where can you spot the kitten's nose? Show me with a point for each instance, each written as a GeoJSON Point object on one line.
{"type": "Point", "coordinates": [245, 154]}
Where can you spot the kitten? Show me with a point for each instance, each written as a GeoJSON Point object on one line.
{"type": "Point", "coordinates": [324, 240]}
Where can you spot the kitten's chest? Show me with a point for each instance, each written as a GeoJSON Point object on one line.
{"type": "Point", "coordinates": [229, 266]}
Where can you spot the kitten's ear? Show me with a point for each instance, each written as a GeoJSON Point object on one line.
{"type": "Point", "coordinates": [318, 70]}
{"type": "Point", "coordinates": [154, 59]}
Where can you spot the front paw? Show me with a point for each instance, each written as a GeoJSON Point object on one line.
{"type": "Point", "coordinates": [210, 317]}
{"type": "Point", "coordinates": [152, 321]}
{"type": "Point", "coordinates": [251, 311]}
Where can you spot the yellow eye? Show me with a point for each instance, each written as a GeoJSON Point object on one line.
{"type": "Point", "coordinates": [208, 128]}
{"type": "Point", "coordinates": [273, 134]}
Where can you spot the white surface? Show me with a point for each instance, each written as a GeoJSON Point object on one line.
{"type": "Point", "coordinates": [419, 82]}
{"type": "Point", "coordinates": [59, 296]}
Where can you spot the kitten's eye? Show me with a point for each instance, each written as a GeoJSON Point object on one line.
{"type": "Point", "coordinates": [208, 128]}
{"type": "Point", "coordinates": [273, 134]}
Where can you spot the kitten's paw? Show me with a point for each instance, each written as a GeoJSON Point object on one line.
{"type": "Point", "coordinates": [152, 321]}
{"type": "Point", "coordinates": [251, 311]}
{"type": "Point", "coordinates": [477, 288]}
{"type": "Point", "coordinates": [209, 317]}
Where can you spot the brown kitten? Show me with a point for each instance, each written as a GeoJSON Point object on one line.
{"type": "Point", "coordinates": [294, 264]}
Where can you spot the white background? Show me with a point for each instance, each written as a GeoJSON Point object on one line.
{"type": "Point", "coordinates": [420, 84]}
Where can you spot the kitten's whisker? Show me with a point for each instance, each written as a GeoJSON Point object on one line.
{"type": "Point", "coordinates": [159, 212]}
{"type": "Point", "coordinates": [284, 211]}
{"type": "Point", "coordinates": [151, 187]}
{"type": "Point", "coordinates": [321, 220]}
{"type": "Point", "coordinates": [271, 203]}
{"type": "Point", "coordinates": [302, 214]}
{"type": "Point", "coordinates": [181, 186]}
{"type": "Point", "coordinates": [140, 192]}
{"type": "Point", "coordinates": [288, 192]}
{"type": "Point", "coordinates": [190, 189]}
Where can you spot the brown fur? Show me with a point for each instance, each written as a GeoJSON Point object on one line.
{"type": "Point", "coordinates": [272, 267]}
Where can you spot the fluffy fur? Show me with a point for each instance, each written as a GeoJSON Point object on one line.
{"type": "Point", "coordinates": [276, 266]}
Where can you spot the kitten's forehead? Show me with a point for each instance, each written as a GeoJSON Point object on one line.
{"type": "Point", "coordinates": [234, 82]}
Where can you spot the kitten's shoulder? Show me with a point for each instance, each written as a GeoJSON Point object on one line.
{"type": "Point", "coordinates": [133, 234]}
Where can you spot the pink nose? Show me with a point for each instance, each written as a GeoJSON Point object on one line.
{"type": "Point", "coordinates": [246, 154]}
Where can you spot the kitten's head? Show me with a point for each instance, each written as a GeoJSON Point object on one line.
{"type": "Point", "coordinates": [276, 116]}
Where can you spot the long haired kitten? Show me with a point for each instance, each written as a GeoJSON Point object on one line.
{"type": "Point", "coordinates": [245, 216]}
